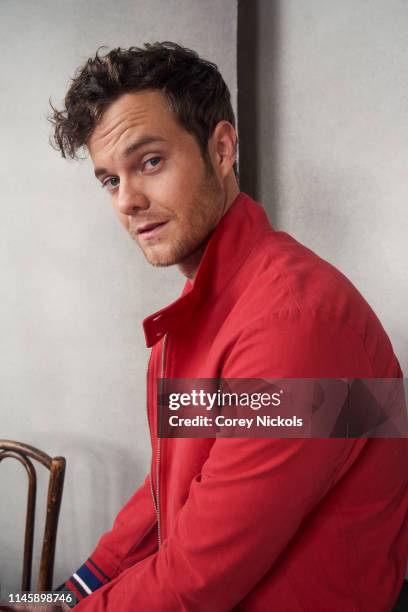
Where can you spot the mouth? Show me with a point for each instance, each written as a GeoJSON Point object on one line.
{"type": "Point", "coordinates": [150, 230]}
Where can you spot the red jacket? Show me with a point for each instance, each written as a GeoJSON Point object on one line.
{"type": "Point", "coordinates": [260, 524]}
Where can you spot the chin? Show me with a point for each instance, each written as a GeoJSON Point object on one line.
{"type": "Point", "coordinates": [172, 255]}
{"type": "Point", "coordinates": [160, 260]}
{"type": "Point", "coordinates": [161, 263]}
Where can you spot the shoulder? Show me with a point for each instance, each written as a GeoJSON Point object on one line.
{"type": "Point", "coordinates": [290, 275]}
{"type": "Point", "coordinates": [293, 299]}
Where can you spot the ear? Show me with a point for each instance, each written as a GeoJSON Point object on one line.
{"type": "Point", "coordinates": [222, 147]}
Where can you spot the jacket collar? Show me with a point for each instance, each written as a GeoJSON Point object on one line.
{"type": "Point", "coordinates": [230, 243]}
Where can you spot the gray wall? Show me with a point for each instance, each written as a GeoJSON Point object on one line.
{"type": "Point", "coordinates": [332, 139]}
{"type": "Point", "coordinates": [74, 287]}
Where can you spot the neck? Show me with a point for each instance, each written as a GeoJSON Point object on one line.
{"type": "Point", "coordinates": [190, 264]}
{"type": "Point", "coordinates": [188, 267]}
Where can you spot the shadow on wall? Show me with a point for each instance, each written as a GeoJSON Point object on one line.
{"type": "Point", "coordinates": [250, 90]}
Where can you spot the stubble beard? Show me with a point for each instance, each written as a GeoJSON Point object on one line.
{"type": "Point", "coordinates": [207, 207]}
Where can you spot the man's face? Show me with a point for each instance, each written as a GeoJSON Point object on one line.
{"type": "Point", "coordinates": [163, 192]}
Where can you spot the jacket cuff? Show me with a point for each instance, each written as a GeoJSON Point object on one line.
{"type": "Point", "coordinates": [93, 574]}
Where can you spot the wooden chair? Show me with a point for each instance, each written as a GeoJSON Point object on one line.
{"type": "Point", "coordinates": [56, 465]}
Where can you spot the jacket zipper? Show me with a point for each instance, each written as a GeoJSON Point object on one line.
{"type": "Point", "coordinates": [156, 498]}
{"type": "Point", "coordinates": [150, 430]}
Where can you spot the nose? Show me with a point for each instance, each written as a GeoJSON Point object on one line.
{"type": "Point", "coordinates": [131, 199]}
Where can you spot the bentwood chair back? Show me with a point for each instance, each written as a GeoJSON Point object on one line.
{"type": "Point", "coordinates": [56, 466]}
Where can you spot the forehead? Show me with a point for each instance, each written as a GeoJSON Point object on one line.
{"type": "Point", "coordinates": [133, 115]}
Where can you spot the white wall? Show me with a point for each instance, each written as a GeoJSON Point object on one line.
{"type": "Point", "coordinates": [74, 287]}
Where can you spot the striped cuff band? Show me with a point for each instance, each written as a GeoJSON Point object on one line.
{"type": "Point", "coordinates": [87, 579]}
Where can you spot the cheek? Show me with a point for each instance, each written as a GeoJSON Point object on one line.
{"type": "Point", "coordinates": [180, 180]}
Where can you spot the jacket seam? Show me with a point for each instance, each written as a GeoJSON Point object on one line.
{"type": "Point", "coordinates": [327, 314]}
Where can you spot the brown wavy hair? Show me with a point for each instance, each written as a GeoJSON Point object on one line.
{"type": "Point", "coordinates": [193, 87]}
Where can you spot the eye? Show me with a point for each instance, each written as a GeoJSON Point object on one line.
{"type": "Point", "coordinates": [151, 163]}
{"type": "Point", "coordinates": [110, 183]}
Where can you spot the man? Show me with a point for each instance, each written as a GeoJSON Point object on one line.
{"type": "Point", "coordinates": [232, 523]}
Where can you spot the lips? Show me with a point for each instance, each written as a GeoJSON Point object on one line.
{"type": "Point", "coordinates": [149, 226]}
{"type": "Point", "coordinates": [150, 230]}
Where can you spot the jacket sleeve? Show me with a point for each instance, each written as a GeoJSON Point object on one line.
{"type": "Point", "coordinates": [132, 538]}
{"type": "Point", "coordinates": [251, 495]}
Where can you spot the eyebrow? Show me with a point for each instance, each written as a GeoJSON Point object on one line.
{"type": "Point", "coordinates": [141, 142]}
